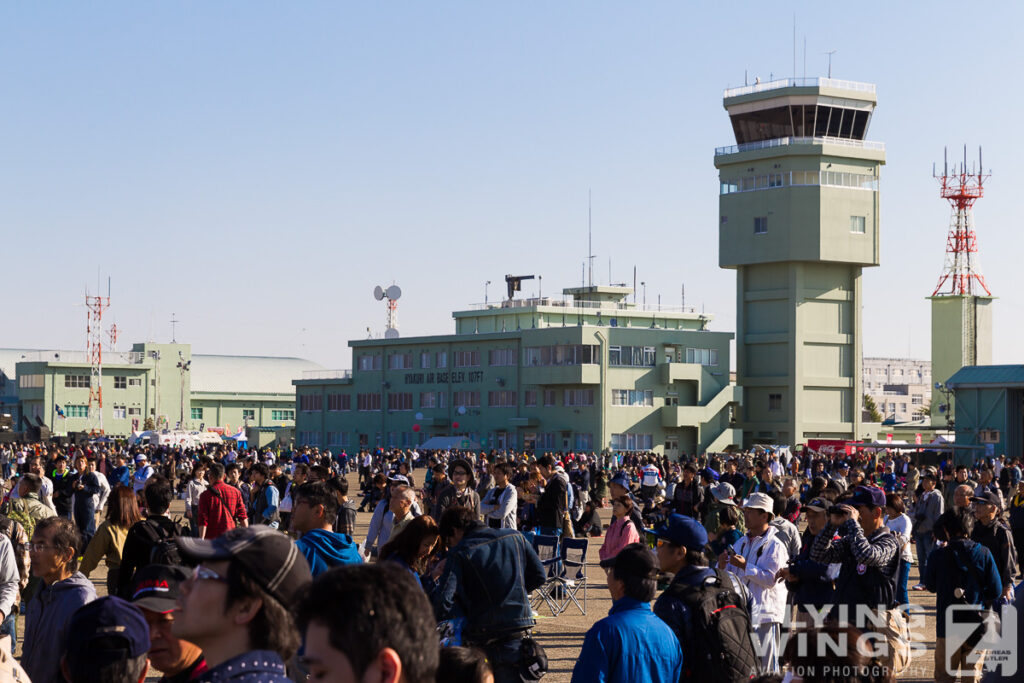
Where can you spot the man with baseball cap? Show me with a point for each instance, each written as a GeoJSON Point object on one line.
{"type": "Point", "coordinates": [756, 559]}
{"type": "Point", "coordinates": [143, 471]}
{"type": "Point", "coordinates": [107, 643]}
{"type": "Point", "coordinates": [993, 533]}
{"type": "Point", "coordinates": [681, 551]}
{"type": "Point", "coordinates": [631, 644]}
{"type": "Point", "coordinates": [156, 591]}
{"type": "Point", "coordinates": [809, 582]}
{"type": "Point", "coordinates": [235, 605]}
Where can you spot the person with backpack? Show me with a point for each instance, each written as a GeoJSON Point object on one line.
{"type": "Point", "coordinates": [150, 541]}
{"type": "Point", "coordinates": [631, 644]}
{"type": "Point", "coordinates": [265, 498]}
{"type": "Point", "coordinates": [707, 609]}
{"type": "Point", "coordinates": [221, 507]}
{"type": "Point", "coordinates": [962, 572]}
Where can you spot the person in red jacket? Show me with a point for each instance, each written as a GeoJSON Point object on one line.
{"type": "Point", "coordinates": [220, 506]}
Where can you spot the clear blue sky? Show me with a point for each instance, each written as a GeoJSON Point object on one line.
{"type": "Point", "coordinates": [255, 168]}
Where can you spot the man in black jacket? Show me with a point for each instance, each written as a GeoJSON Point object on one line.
{"type": "Point", "coordinates": [553, 503]}
{"type": "Point", "coordinates": [144, 535]}
{"type": "Point", "coordinates": [992, 532]}
{"type": "Point", "coordinates": [688, 498]}
{"type": "Point", "coordinates": [809, 582]}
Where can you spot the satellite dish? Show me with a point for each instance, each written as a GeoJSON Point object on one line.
{"type": "Point", "coordinates": [391, 333]}
{"type": "Point", "coordinates": [461, 410]}
{"type": "Point", "coordinates": [378, 293]}
{"type": "Point", "coordinates": [419, 416]}
{"type": "Point", "coordinates": [394, 292]}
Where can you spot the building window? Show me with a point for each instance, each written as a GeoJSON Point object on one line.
{"type": "Point", "coordinates": [76, 411]}
{"type": "Point", "coordinates": [399, 401]}
{"type": "Point", "coordinates": [428, 399]}
{"type": "Point", "coordinates": [632, 442]}
{"type": "Point", "coordinates": [309, 403]}
{"type": "Point", "coordinates": [774, 402]}
{"type": "Point", "coordinates": [466, 399]}
{"type": "Point", "coordinates": [442, 359]}
{"type": "Point", "coordinates": [501, 357]}
{"type": "Point", "coordinates": [34, 381]}
{"type": "Point", "coordinates": [121, 412]}
{"type": "Point", "coordinates": [638, 356]}
{"type": "Point", "coordinates": [584, 442]}
{"type": "Point", "coordinates": [530, 398]}
{"type": "Point", "coordinates": [562, 354]}
{"type": "Point", "coordinates": [400, 361]}
{"type": "Point", "coordinates": [309, 438]}
{"type": "Point", "coordinates": [135, 381]}
{"type": "Point", "coordinates": [702, 356]}
{"type": "Point", "coordinates": [424, 359]}
{"type": "Point", "coordinates": [76, 381]}
{"type": "Point", "coordinates": [370, 361]}
{"type": "Point", "coordinates": [501, 399]}
{"type": "Point", "coordinates": [367, 402]}
{"type": "Point", "coordinates": [467, 359]}
{"type": "Point", "coordinates": [134, 411]}
{"type": "Point", "coordinates": [197, 413]}
{"type": "Point", "coordinates": [339, 402]}
{"type": "Point", "coordinates": [916, 400]}
{"type": "Point", "coordinates": [858, 224]}
{"type": "Point", "coordinates": [250, 413]}
{"type": "Point", "coordinates": [120, 382]}
{"type": "Point", "coordinates": [760, 225]}
{"type": "Point", "coordinates": [549, 397]}
{"type": "Point", "coordinates": [442, 399]}
{"type": "Point", "coordinates": [578, 397]}
{"type": "Point", "coordinates": [633, 397]}
{"type": "Point", "coordinates": [282, 415]}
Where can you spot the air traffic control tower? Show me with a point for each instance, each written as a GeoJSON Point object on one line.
{"type": "Point", "coordinates": [798, 222]}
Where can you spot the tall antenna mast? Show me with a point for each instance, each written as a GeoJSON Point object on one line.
{"type": "Point", "coordinates": [590, 240]}
{"type": "Point", "coordinates": [94, 307]}
{"type": "Point", "coordinates": [830, 53]}
{"type": "Point", "coordinates": [961, 270]}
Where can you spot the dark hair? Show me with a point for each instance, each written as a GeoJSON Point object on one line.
{"type": "Point", "coordinates": [405, 545]}
{"type": "Point", "coordinates": [640, 588]}
{"type": "Point", "coordinates": [106, 660]}
{"type": "Point", "coordinates": [546, 460]}
{"type": "Point", "coordinates": [379, 479]}
{"type": "Point", "coordinates": [158, 493]}
{"type": "Point", "coordinates": [729, 515]}
{"type": "Point", "coordinates": [339, 484]}
{"type": "Point", "coordinates": [260, 468]}
{"type": "Point", "coordinates": [895, 501]}
{"type": "Point", "coordinates": [233, 467]}
{"type": "Point", "coordinates": [504, 468]}
{"type": "Point", "coordinates": [317, 493]}
{"type": "Point", "coordinates": [463, 665]}
{"type": "Point", "coordinates": [457, 518]}
{"type": "Point", "coordinates": [954, 523]}
{"type": "Point", "coordinates": [778, 503]}
{"type": "Point", "coordinates": [32, 482]}
{"type": "Point", "coordinates": [626, 502]}
{"type": "Point", "coordinates": [216, 471]}
{"type": "Point", "coordinates": [123, 507]}
{"type": "Point", "coordinates": [696, 558]}
{"type": "Point", "coordinates": [301, 467]}
{"type": "Point", "coordinates": [65, 535]}
{"type": "Point", "coordinates": [273, 627]}
{"type": "Point", "coordinates": [366, 608]}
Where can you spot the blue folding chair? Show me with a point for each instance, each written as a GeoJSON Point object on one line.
{"type": "Point", "coordinates": [573, 574]}
{"type": "Point", "coordinates": [548, 552]}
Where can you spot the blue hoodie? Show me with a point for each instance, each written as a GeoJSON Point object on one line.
{"type": "Point", "coordinates": [46, 619]}
{"type": "Point", "coordinates": [324, 549]}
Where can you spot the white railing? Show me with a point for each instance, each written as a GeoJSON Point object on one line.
{"type": "Point", "coordinates": [783, 142]}
{"type": "Point", "coordinates": [584, 306]}
{"type": "Point", "coordinates": [326, 374]}
{"type": "Point", "coordinates": [111, 357]}
{"type": "Point", "coordinates": [800, 83]}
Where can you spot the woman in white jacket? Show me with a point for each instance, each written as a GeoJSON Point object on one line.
{"type": "Point", "coordinates": [756, 559]}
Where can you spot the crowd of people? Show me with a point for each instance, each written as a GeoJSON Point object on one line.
{"type": "Point", "coordinates": [263, 577]}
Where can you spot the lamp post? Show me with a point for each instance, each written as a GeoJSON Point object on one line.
{"type": "Point", "coordinates": [184, 366]}
{"type": "Point", "coordinates": [486, 285]}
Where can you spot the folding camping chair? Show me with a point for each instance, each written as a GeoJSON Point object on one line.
{"type": "Point", "coordinates": [574, 573]}
{"type": "Point", "coordinates": [547, 550]}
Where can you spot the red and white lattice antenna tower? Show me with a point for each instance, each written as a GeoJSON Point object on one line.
{"type": "Point", "coordinates": [961, 273]}
{"type": "Point", "coordinates": [94, 306]}
{"type": "Point", "coordinates": [113, 336]}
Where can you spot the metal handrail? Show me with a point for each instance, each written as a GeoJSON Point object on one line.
{"type": "Point", "coordinates": [326, 374]}
{"type": "Point", "coordinates": [778, 83]}
{"type": "Point", "coordinates": [628, 307]}
{"type": "Point", "coordinates": [782, 142]}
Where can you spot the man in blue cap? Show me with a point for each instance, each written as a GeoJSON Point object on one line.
{"type": "Point", "coordinates": [108, 641]}
{"type": "Point", "coordinates": [681, 543]}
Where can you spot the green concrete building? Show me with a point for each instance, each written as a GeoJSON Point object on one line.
{"type": "Point", "coordinates": [591, 371]}
{"type": "Point", "coordinates": [799, 220]}
{"type": "Point", "coordinates": [164, 383]}
{"type": "Point", "coordinates": [961, 336]}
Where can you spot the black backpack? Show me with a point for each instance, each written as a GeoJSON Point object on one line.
{"type": "Point", "coordinates": [718, 645]}
{"type": "Point", "coordinates": [163, 549]}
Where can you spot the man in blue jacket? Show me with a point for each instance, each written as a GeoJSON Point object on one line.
{"type": "Point", "coordinates": [314, 508]}
{"type": "Point", "coordinates": [809, 582]}
{"type": "Point", "coordinates": [487, 579]}
{"type": "Point", "coordinates": [962, 572]}
{"type": "Point", "coordinates": [631, 644]}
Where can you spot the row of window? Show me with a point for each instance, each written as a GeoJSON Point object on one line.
{"type": "Point", "coordinates": [403, 360]}
{"type": "Point", "coordinates": [561, 354]}
{"type": "Point", "coordinates": [556, 354]}
{"type": "Point", "coordinates": [632, 442]}
{"type": "Point", "coordinates": [631, 397]}
{"type": "Point", "coordinates": [857, 181]}
{"type": "Point", "coordinates": [84, 381]}
{"type": "Point", "coordinates": [504, 398]}
{"type": "Point", "coordinates": [858, 225]}
{"type": "Point", "coordinates": [640, 356]}
{"type": "Point", "coordinates": [276, 414]}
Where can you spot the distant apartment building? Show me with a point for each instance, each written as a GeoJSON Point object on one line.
{"type": "Point", "coordinates": [900, 387]}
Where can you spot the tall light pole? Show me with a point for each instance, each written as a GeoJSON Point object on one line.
{"type": "Point", "coordinates": [644, 285]}
{"type": "Point", "coordinates": [184, 366]}
{"type": "Point", "coordinates": [486, 285]}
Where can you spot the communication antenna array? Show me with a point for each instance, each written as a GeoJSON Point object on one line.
{"type": "Point", "coordinates": [391, 295]}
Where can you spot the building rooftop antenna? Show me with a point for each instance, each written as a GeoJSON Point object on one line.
{"type": "Point", "coordinates": [392, 293]}
{"type": "Point", "coordinates": [961, 272]}
{"type": "Point", "coordinates": [174, 328]}
{"type": "Point", "coordinates": [590, 240]}
{"type": "Point", "coordinates": [830, 53]}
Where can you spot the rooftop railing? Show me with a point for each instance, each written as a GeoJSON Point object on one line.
{"type": "Point", "coordinates": [627, 306]}
{"type": "Point", "coordinates": [326, 374]}
{"type": "Point", "coordinates": [798, 83]}
{"type": "Point", "coordinates": [111, 357]}
{"type": "Point", "coordinates": [783, 142]}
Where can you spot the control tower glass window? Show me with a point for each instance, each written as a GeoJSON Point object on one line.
{"type": "Point", "coordinates": [800, 121]}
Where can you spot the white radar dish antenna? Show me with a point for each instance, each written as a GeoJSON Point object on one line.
{"type": "Point", "coordinates": [391, 295]}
